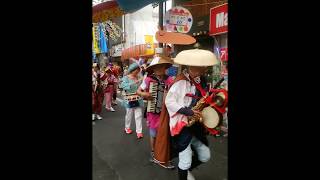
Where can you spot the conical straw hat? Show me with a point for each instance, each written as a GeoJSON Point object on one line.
{"type": "Point", "coordinates": [196, 57]}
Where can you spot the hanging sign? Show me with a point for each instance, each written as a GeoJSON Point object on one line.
{"type": "Point", "coordinates": [218, 20]}
{"type": "Point", "coordinates": [178, 19]}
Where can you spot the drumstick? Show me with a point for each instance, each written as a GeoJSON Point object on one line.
{"type": "Point", "coordinates": [218, 83]}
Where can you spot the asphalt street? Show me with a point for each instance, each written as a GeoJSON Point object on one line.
{"type": "Point", "coordinates": [118, 156]}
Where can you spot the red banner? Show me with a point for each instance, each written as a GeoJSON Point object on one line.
{"type": "Point", "coordinates": [218, 20]}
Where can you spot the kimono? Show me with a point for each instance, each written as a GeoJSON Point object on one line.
{"type": "Point", "coordinates": [109, 89]}
{"type": "Point", "coordinates": [97, 92]}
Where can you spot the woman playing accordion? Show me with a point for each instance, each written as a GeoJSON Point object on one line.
{"type": "Point", "coordinates": [153, 89]}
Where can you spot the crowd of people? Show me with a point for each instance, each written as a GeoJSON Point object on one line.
{"type": "Point", "coordinates": [170, 108]}
{"type": "Point", "coordinates": [104, 88]}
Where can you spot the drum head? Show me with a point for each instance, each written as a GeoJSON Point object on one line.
{"type": "Point", "coordinates": [221, 95]}
{"type": "Point", "coordinates": [211, 117]}
{"type": "Point", "coordinates": [219, 99]}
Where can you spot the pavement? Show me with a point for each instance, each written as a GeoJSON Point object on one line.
{"type": "Point", "coordinates": [118, 156]}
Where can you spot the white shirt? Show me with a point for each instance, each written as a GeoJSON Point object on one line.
{"type": "Point", "coordinates": [175, 100]}
{"type": "Point", "coordinates": [143, 85]}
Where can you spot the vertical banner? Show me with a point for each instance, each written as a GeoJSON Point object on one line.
{"type": "Point", "coordinates": [95, 44]}
{"type": "Point", "coordinates": [103, 41]}
{"type": "Point", "coordinates": [149, 42]}
{"type": "Point", "coordinates": [93, 53]}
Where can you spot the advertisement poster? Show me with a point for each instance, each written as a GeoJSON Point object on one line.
{"type": "Point", "coordinates": [149, 42]}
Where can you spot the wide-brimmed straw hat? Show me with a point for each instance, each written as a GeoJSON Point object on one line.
{"type": "Point", "coordinates": [157, 61]}
{"type": "Point", "coordinates": [196, 57]}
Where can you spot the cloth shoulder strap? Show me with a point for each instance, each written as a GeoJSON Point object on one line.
{"type": "Point", "coordinates": [198, 86]}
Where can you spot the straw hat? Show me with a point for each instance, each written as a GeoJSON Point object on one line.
{"type": "Point", "coordinates": [196, 57]}
{"type": "Point", "coordinates": [157, 61]}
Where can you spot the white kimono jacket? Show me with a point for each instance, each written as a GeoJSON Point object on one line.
{"type": "Point", "coordinates": [176, 99]}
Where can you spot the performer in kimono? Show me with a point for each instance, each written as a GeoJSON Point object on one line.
{"type": "Point", "coordinates": [116, 72]}
{"type": "Point", "coordinates": [97, 92]}
{"type": "Point", "coordinates": [156, 74]}
{"type": "Point", "coordinates": [180, 101]}
{"type": "Point", "coordinates": [110, 81]}
{"type": "Point", "coordinates": [132, 102]}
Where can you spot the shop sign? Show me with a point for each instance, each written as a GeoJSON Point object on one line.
{"type": "Point", "coordinates": [178, 19]}
{"type": "Point", "coordinates": [218, 20]}
{"type": "Point", "coordinates": [117, 50]}
{"type": "Point", "coordinates": [149, 44]}
{"type": "Point", "coordinates": [224, 54]}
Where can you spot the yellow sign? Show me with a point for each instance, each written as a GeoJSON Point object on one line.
{"type": "Point", "coordinates": [95, 44]}
{"type": "Point", "coordinates": [149, 42]}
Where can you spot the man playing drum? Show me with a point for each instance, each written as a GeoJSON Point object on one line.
{"type": "Point", "coordinates": [180, 100]}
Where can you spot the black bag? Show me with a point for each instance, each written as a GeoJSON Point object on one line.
{"type": "Point", "coordinates": [133, 104]}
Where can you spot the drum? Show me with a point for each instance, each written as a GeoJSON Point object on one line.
{"type": "Point", "coordinates": [211, 117]}
{"type": "Point", "coordinates": [219, 99]}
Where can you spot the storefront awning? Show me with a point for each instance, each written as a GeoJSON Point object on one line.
{"type": "Point", "coordinates": [115, 8]}
{"type": "Point", "coordinates": [136, 51]}
{"type": "Point", "coordinates": [106, 11]}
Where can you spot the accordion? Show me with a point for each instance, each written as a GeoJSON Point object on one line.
{"type": "Point", "coordinates": [156, 90]}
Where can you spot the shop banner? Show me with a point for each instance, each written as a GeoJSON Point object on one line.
{"type": "Point", "coordinates": [149, 42]}
{"type": "Point", "coordinates": [218, 20]}
{"type": "Point", "coordinates": [103, 41]}
{"type": "Point", "coordinates": [178, 19]}
{"type": "Point", "coordinates": [95, 43]}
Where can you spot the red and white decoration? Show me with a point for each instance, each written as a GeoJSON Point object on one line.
{"type": "Point", "coordinates": [178, 19]}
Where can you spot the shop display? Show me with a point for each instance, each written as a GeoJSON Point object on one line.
{"type": "Point", "coordinates": [102, 32]}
